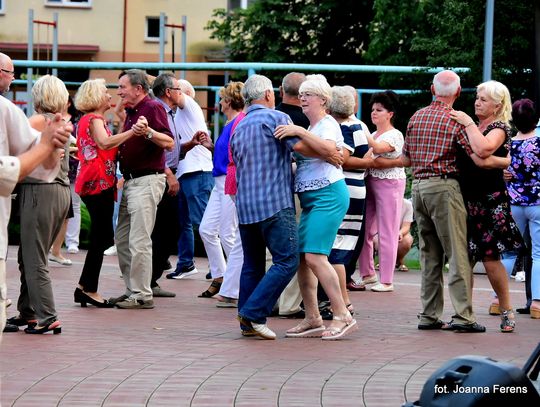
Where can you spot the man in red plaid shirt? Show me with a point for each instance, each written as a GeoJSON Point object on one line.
{"type": "Point", "coordinates": [431, 146]}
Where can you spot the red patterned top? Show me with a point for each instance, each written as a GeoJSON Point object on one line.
{"type": "Point", "coordinates": [97, 167]}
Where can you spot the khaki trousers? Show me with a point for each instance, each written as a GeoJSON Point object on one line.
{"type": "Point", "coordinates": [136, 219]}
{"type": "Point", "coordinates": [441, 217]}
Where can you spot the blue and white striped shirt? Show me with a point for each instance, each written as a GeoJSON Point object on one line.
{"type": "Point", "coordinates": [263, 165]}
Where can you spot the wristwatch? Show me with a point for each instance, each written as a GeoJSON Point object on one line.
{"type": "Point", "coordinates": [149, 135]}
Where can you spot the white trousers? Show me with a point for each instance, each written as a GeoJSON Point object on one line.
{"type": "Point", "coordinates": [219, 233]}
{"type": "Point", "coordinates": [74, 223]}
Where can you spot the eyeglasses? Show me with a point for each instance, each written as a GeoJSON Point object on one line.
{"type": "Point", "coordinates": [306, 95]}
{"type": "Point", "coordinates": [6, 71]}
{"type": "Point", "coordinates": [176, 89]}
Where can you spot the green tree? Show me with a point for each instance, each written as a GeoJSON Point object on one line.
{"type": "Point", "coordinates": [307, 31]}
{"type": "Point", "coordinates": [451, 34]}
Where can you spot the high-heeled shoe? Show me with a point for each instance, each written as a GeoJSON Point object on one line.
{"type": "Point", "coordinates": [55, 327]}
{"type": "Point", "coordinates": [82, 298]}
{"type": "Point", "coordinates": [212, 290]}
{"type": "Point", "coordinates": [18, 321]}
{"type": "Point", "coordinates": [535, 313]}
{"type": "Point", "coordinates": [508, 324]}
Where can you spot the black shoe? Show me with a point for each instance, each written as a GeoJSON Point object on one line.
{"type": "Point", "coordinates": [18, 321]}
{"type": "Point", "coordinates": [295, 315]}
{"type": "Point", "coordinates": [11, 328]}
{"type": "Point", "coordinates": [434, 325]}
{"type": "Point", "coordinates": [327, 315]}
{"type": "Point", "coordinates": [82, 298]}
{"type": "Point", "coordinates": [524, 310]}
{"type": "Point", "coordinates": [208, 276]}
{"type": "Point", "coordinates": [464, 328]}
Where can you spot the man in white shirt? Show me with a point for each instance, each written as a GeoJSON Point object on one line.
{"type": "Point", "coordinates": [196, 181]}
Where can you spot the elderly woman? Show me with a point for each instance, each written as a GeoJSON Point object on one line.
{"type": "Point", "coordinates": [219, 224]}
{"type": "Point", "coordinates": [385, 189]}
{"type": "Point", "coordinates": [524, 190]}
{"type": "Point", "coordinates": [324, 199]}
{"type": "Point", "coordinates": [95, 183]}
{"type": "Point", "coordinates": [43, 208]}
{"type": "Point", "coordinates": [344, 248]}
{"type": "Point", "coordinates": [490, 227]}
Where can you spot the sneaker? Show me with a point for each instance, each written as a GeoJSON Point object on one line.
{"type": "Point", "coordinates": [133, 303]}
{"type": "Point", "coordinates": [168, 267]}
{"type": "Point", "coordinates": [111, 251]}
{"type": "Point", "coordinates": [520, 276]}
{"type": "Point", "coordinates": [183, 272]}
{"type": "Point", "coordinates": [73, 249]}
{"type": "Point", "coordinates": [114, 300]}
{"type": "Point", "coordinates": [160, 292]}
{"type": "Point", "coordinates": [262, 331]}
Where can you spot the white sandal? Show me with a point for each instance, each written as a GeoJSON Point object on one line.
{"type": "Point", "coordinates": [305, 329]}
{"type": "Point", "coordinates": [338, 333]}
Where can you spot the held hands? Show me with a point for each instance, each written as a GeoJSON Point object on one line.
{"type": "Point", "coordinates": [461, 117]}
{"type": "Point", "coordinates": [288, 130]}
{"type": "Point", "coordinates": [141, 127]}
{"type": "Point", "coordinates": [336, 158]}
{"type": "Point", "coordinates": [56, 133]}
{"type": "Point", "coordinates": [201, 138]}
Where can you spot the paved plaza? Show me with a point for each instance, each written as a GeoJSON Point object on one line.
{"type": "Point", "coordinates": [187, 352]}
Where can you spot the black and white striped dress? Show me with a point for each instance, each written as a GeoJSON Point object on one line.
{"type": "Point", "coordinates": [349, 230]}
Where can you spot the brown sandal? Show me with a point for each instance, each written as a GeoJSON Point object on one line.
{"type": "Point", "coordinates": [212, 290]}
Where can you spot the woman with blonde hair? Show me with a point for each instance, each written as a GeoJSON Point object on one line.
{"type": "Point", "coordinates": [324, 199]}
{"type": "Point", "coordinates": [96, 182]}
{"type": "Point", "coordinates": [491, 229]}
{"type": "Point", "coordinates": [43, 208]}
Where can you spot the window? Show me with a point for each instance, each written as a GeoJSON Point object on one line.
{"type": "Point", "coordinates": [233, 4]}
{"type": "Point", "coordinates": [152, 29]}
{"type": "Point", "coordinates": [69, 3]}
{"type": "Point", "coordinates": [1, 6]}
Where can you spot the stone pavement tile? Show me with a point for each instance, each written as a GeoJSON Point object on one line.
{"type": "Point", "coordinates": [187, 352]}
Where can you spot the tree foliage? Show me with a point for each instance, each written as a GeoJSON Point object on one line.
{"type": "Point", "coordinates": [451, 34]}
{"type": "Point", "coordinates": [302, 31]}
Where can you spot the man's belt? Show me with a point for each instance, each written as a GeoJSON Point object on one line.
{"type": "Point", "coordinates": [141, 173]}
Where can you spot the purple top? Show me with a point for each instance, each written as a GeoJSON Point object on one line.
{"type": "Point", "coordinates": [138, 153]}
{"type": "Point", "coordinates": [524, 188]}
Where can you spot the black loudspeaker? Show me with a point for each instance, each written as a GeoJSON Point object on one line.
{"type": "Point", "coordinates": [480, 381]}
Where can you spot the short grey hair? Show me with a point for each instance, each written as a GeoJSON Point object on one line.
{"type": "Point", "coordinates": [342, 104]}
{"type": "Point", "coordinates": [291, 83]}
{"type": "Point", "coordinates": [186, 87]}
{"type": "Point", "coordinates": [318, 85]}
{"type": "Point", "coordinates": [137, 77]}
{"type": "Point", "coordinates": [255, 87]}
{"type": "Point", "coordinates": [162, 83]}
{"type": "Point", "coordinates": [446, 83]}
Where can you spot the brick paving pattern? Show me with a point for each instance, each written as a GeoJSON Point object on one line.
{"type": "Point", "coordinates": [187, 352]}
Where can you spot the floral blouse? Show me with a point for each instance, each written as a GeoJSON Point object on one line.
{"type": "Point", "coordinates": [97, 167]}
{"type": "Point", "coordinates": [524, 188]}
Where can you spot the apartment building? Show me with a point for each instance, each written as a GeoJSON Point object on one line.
{"type": "Point", "coordinates": [111, 30]}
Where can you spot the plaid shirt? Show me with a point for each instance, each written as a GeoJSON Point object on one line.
{"type": "Point", "coordinates": [263, 165]}
{"type": "Point", "coordinates": [432, 141]}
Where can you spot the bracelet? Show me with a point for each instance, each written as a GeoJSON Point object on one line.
{"type": "Point", "coordinates": [471, 123]}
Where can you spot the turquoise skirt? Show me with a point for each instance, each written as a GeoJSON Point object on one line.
{"type": "Point", "coordinates": [322, 212]}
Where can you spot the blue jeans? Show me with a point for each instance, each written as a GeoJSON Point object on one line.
{"type": "Point", "coordinates": [195, 189]}
{"type": "Point", "coordinates": [528, 217]}
{"type": "Point", "coordinates": [260, 289]}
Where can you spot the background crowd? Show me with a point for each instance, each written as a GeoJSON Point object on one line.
{"type": "Point", "coordinates": [305, 183]}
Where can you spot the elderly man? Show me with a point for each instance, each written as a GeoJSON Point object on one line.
{"type": "Point", "coordinates": [166, 89]}
{"type": "Point", "coordinates": [265, 203]}
{"type": "Point", "coordinates": [142, 163]}
{"type": "Point", "coordinates": [20, 154]}
{"type": "Point", "coordinates": [431, 146]}
{"type": "Point", "coordinates": [196, 181]}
